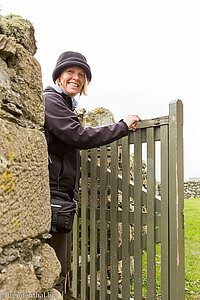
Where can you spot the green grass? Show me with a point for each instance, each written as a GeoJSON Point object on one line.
{"type": "Point", "coordinates": [192, 254]}
{"type": "Point", "coordinates": [192, 248]}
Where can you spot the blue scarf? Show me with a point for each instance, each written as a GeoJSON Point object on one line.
{"type": "Point", "coordinates": [59, 90]}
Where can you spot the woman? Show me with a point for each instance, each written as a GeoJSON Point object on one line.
{"type": "Point", "coordinates": [66, 136]}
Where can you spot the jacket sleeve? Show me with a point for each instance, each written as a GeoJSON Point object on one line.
{"type": "Point", "coordinates": [64, 124]}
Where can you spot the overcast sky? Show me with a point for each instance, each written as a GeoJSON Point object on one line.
{"type": "Point", "coordinates": [143, 54]}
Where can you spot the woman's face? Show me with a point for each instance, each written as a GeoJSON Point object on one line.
{"type": "Point", "coordinates": [72, 80]}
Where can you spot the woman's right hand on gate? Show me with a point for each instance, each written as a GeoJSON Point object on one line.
{"type": "Point", "coordinates": [131, 121]}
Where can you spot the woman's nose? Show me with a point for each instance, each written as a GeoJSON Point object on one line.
{"type": "Point", "coordinates": [75, 76]}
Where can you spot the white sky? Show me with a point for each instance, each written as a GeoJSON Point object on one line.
{"type": "Point", "coordinates": [143, 54]}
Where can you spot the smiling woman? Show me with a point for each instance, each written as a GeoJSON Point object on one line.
{"type": "Point", "coordinates": [65, 137]}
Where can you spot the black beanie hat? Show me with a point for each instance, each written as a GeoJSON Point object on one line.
{"type": "Point", "coordinates": [70, 58]}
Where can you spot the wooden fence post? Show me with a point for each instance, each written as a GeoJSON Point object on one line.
{"type": "Point", "coordinates": [176, 201]}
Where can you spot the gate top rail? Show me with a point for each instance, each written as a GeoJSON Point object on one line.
{"type": "Point", "coordinates": [153, 122]}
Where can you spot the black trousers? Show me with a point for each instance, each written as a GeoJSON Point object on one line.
{"type": "Point", "coordinates": [61, 243]}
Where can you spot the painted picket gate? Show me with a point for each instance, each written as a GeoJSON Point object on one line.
{"type": "Point", "coordinates": [97, 247]}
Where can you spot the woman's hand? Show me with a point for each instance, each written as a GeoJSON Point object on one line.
{"type": "Point", "coordinates": [131, 121]}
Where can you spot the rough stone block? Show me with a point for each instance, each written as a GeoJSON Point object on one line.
{"type": "Point", "coordinates": [19, 280]}
{"type": "Point", "coordinates": [98, 117]}
{"type": "Point", "coordinates": [24, 184]}
{"type": "Point", "coordinates": [25, 104]}
{"type": "Point", "coordinates": [50, 267]}
{"type": "Point", "coordinates": [25, 72]}
{"type": "Point", "coordinates": [7, 46]}
{"type": "Point", "coordinates": [20, 29]}
{"type": "Point", "coordinates": [4, 76]}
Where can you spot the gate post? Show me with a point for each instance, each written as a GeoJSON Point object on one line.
{"type": "Point", "coordinates": [176, 202]}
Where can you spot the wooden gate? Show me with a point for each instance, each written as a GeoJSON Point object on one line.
{"type": "Point", "coordinates": [121, 220]}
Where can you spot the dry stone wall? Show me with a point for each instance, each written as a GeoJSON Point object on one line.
{"type": "Point", "coordinates": [28, 265]}
{"type": "Point", "coordinates": [191, 189]}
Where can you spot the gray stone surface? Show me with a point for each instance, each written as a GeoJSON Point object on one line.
{"type": "Point", "coordinates": [21, 86]}
{"type": "Point", "coordinates": [24, 187]}
{"type": "Point", "coordinates": [19, 278]}
{"type": "Point", "coordinates": [25, 72]}
{"type": "Point", "coordinates": [50, 268]}
{"type": "Point", "coordinates": [21, 30]}
{"type": "Point", "coordinates": [98, 117]}
{"type": "Point", "coordinates": [7, 46]}
{"type": "Point", "coordinates": [4, 76]}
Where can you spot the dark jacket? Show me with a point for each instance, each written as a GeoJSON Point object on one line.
{"type": "Point", "coordinates": [66, 136]}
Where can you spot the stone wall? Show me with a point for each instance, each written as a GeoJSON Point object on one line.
{"type": "Point", "coordinates": [191, 189]}
{"type": "Point", "coordinates": [28, 265]}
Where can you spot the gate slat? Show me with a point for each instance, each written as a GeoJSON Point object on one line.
{"type": "Point", "coordinates": [125, 219]}
{"type": "Point", "coordinates": [93, 225]}
{"type": "Point", "coordinates": [84, 225]}
{"type": "Point", "coordinates": [103, 222]}
{"type": "Point", "coordinates": [114, 222]}
{"type": "Point", "coordinates": [138, 216]}
{"type": "Point", "coordinates": [164, 133]}
{"type": "Point", "coordinates": [151, 248]}
{"type": "Point", "coordinates": [75, 263]}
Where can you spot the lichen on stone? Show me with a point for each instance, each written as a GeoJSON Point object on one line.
{"type": "Point", "coordinates": [87, 120]}
{"type": "Point", "coordinates": [11, 156]}
{"type": "Point", "coordinates": [7, 184]}
{"type": "Point", "coordinates": [21, 30]}
{"type": "Point", "coordinates": [9, 139]}
{"type": "Point", "coordinates": [99, 110]}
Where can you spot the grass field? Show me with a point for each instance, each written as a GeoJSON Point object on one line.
{"type": "Point", "coordinates": [192, 254]}
{"type": "Point", "coordinates": [192, 248]}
